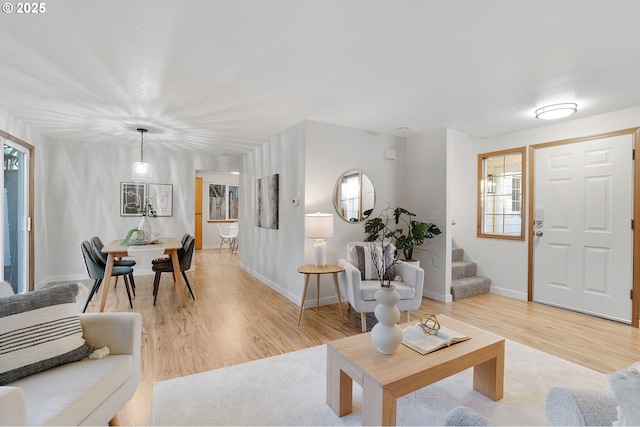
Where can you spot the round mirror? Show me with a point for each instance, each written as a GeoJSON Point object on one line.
{"type": "Point", "coordinates": [354, 196]}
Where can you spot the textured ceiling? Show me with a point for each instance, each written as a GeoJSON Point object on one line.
{"type": "Point", "coordinates": [224, 76]}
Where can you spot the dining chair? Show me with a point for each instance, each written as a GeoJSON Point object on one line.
{"type": "Point", "coordinates": [185, 255]}
{"type": "Point", "coordinates": [166, 258]}
{"type": "Point", "coordinates": [233, 232]}
{"type": "Point", "coordinates": [225, 239]}
{"type": "Point", "coordinates": [97, 245]}
{"type": "Point", "coordinates": [97, 242]}
{"type": "Point", "coordinates": [96, 272]}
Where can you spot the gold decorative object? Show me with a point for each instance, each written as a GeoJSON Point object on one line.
{"type": "Point", "coordinates": [430, 324]}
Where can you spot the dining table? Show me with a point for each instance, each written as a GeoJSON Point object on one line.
{"type": "Point", "coordinates": [116, 249]}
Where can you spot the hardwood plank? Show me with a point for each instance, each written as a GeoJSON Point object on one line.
{"type": "Point", "coordinates": [236, 318]}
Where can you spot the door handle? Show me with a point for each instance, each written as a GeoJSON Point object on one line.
{"type": "Point", "coordinates": [539, 233]}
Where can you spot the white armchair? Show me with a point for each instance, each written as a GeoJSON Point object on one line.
{"type": "Point", "coordinates": [361, 293]}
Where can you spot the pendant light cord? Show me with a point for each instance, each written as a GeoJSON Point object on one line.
{"type": "Point", "coordinates": [142, 131]}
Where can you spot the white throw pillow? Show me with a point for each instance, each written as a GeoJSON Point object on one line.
{"type": "Point", "coordinates": [38, 331]}
{"type": "Point", "coordinates": [366, 265]}
{"type": "Point", "coordinates": [625, 385]}
{"type": "Point", "coordinates": [365, 262]}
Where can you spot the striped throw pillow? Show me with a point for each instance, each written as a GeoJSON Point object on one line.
{"type": "Point", "coordinates": [38, 331]}
{"type": "Point", "coordinates": [367, 266]}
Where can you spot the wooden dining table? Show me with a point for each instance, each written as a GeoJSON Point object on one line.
{"type": "Point", "coordinates": [116, 249]}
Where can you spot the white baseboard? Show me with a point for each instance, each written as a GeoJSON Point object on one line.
{"type": "Point", "coordinates": [436, 296]}
{"type": "Point", "coordinates": [508, 293]}
{"type": "Point", "coordinates": [332, 299]}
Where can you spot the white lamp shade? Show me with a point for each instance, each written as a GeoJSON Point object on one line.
{"type": "Point", "coordinates": [141, 171]}
{"type": "Point", "coordinates": [318, 225]}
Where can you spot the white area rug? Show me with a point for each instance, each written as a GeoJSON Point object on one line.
{"type": "Point", "coordinates": [290, 389]}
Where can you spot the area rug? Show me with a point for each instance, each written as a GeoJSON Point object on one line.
{"type": "Point", "coordinates": [290, 389]}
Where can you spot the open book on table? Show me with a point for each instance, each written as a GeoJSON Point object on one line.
{"type": "Point", "coordinates": [417, 339]}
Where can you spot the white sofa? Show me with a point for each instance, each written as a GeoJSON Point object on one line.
{"type": "Point", "coordinates": [87, 392]}
{"type": "Point", "coordinates": [361, 293]}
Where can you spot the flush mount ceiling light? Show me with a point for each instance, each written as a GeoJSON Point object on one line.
{"type": "Point", "coordinates": [141, 171]}
{"type": "Point", "coordinates": [556, 111]}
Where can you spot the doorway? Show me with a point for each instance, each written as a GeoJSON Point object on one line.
{"type": "Point", "coordinates": [17, 213]}
{"type": "Point", "coordinates": [581, 215]}
{"type": "Point", "coordinates": [216, 195]}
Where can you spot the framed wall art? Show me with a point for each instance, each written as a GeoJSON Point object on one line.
{"type": "Point", "coordinates": [161, 198]}
{"type": "Point", "coordinates": [268, 189]}
{"type": "Point", "coordinates": [132, 196]}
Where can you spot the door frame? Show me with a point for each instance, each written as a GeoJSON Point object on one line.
{"type": "Point", "coordinates": [635, 285]}
{"type": "Point", "coordinates": [31, 238]}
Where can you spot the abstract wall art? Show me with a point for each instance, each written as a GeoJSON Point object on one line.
{"type": "Point", "coordinates": [161, 199]}
{"type": "Point", "coordinates": [268, 201]}
{"type": "Point", "coordinates": [132, 196]}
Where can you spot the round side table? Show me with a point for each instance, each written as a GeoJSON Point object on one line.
{"type": "Point", "coordinates": [310, 269]}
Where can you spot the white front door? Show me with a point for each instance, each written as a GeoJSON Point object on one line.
{"type": "Point", "coordinates": [583, 199]}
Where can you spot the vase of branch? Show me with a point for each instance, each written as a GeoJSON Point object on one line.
{"type": "Point", "coordinates": [387, 334]}
{"type": "Point", "coordinates": [145, 230]}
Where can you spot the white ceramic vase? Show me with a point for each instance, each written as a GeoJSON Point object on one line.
{"type": "Point", "coordinates": [387, 334]}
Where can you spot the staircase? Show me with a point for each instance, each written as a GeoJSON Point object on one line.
{"type": "Point", "coordinates": [464, 282]}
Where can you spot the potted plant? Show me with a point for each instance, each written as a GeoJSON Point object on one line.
{"type": "Point", "coordinates": [387, 335]}
{"type": "Point", "coordinates": [381, 233]}
{"type": "Point", "coordinates": [406, 233]}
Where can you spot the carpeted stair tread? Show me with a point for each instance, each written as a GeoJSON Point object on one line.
{"type": "Point", "coordinates": [460, 269]}
{"type": "Point", "coordinates": [469, 287]}
{"type": "Point", "coordinates": [457, 254]}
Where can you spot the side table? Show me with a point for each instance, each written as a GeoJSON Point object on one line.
{"type": "Point", "coordinates": [310, 269]}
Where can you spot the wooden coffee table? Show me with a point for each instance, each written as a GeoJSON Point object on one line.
{"type": "Point", "coordinates": [384, 378]}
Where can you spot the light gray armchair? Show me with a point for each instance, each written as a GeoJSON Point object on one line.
{"type": "Point", "coordinates": [564, 406]}
{"type": "Point", "coordinates": [361, 293]}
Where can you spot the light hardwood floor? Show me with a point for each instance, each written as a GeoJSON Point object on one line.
{"type": "Point", "coordinates": [236, 318]}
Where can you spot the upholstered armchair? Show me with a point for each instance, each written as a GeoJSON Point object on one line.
{"type": "Point", "coordinates": [361, 293]}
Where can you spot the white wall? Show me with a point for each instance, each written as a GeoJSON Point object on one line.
{"type": "Point", "coordinates": [332, 150]}
{"type": "Point", "coordinates": [505, 261]}
{"type": "Point", "coordinates": [82, 199]}
{"type": "Point", "coordinates": [310, 157]}
{"type": "Point", "coordinates": [425, 180]}
{"type": "Point", "coordinates": [210, 235]}
{"type": "Point", "coordinates": [77, 196]}
{"type": "Point", "coordinates": [272, 255]}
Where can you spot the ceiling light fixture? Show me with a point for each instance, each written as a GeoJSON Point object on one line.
{"type": "Point", "coordinates": [556, 111]}
{"type": "Point", "coordinates": [141, 171]}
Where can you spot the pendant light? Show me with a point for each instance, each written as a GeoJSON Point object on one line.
{"type": "Point", "coordinates": [141, 171]}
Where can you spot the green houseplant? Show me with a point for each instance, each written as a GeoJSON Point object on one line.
{"type": "Point", "coordinates": [380, 232]}
{"type": "Point", "coordinates": [406, 232]}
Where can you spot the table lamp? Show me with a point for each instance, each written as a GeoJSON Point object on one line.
{"type": "Point", "coordinates": [318, 226]}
